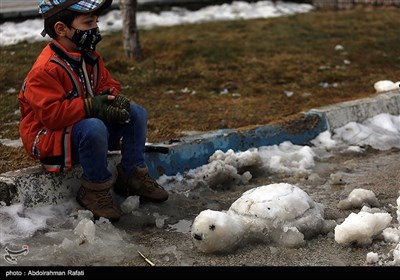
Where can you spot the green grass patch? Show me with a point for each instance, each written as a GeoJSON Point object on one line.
{"type": "Point", "coordinates": [187, 68]}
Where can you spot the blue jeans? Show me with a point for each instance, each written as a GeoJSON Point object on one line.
{"type": "Point", "coordinates": [92, 139]}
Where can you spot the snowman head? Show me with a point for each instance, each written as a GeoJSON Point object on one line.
{"type": "Point", "coordinates": [215, 231]}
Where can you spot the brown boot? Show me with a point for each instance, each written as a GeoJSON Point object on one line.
{"type": "Point", "coordinates": [139, 183]}
{"type": "Point", "coordinates": [97, 198]}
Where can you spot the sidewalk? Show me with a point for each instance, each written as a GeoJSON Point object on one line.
{"type": "Point", "coordinates": [33, 186]}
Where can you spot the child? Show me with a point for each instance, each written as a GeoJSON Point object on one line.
{"type": "Point", "coordinates": [72, 111]}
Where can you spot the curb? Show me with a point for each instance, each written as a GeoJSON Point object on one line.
{"type": "Point", "coordinates": [34, 187]}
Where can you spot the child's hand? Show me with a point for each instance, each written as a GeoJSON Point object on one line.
{"type": "Point", "coordinates": [101, 107]}
{"type": "Point", "coordinates": [108, 91]}
{"type": "Point", "coordinates": [94, 106]}
{"type": "Point", "coordinates": [116, 115]}
{"type": "Point", "coordinates": [122, 102]}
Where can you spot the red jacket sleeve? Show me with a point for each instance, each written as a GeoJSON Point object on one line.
{"type": "Point", "coordinates": [46, 96]}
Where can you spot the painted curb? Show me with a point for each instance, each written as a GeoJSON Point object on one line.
{"type": "Point", "coordinates": [33, 187]}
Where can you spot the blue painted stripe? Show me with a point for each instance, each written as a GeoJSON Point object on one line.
{"type": "Point", "coordinates": [193, 151]}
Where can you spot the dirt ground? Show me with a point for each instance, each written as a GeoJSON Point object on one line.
{"type": "Point", "coordinates": [162, 231]}
{"type": "Point", "coordinates": [376, 171]}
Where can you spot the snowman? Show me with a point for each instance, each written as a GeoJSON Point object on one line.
{"type": "Point", "coordinates": [279, 213]}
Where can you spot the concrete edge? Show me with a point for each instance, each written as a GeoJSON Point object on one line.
{"type": "Point", "coordinates": [359, 110]}
{"type": "Point", "coordinates": [33, 187]}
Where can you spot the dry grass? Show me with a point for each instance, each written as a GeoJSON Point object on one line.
{"type": "Point", "coordinates": [232, 74]}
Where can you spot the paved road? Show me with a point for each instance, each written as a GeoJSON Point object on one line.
{"type": "Point", "coordinates": [20, 5]}
{"type": "Point", "coordinates": [7, 6]}
{"type": "Point", "coordinates": [15, 10]}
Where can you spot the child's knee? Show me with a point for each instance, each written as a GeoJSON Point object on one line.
{"type": "Point", "coordinates": [138, 112]}
{"type": "Point", "coordinates": [95, 128]}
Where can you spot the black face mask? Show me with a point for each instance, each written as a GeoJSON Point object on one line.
{"type": "Point", "coordinates": [86, 39]}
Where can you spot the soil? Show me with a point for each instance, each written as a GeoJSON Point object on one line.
{"type": "Point", "coordinates": [373, 170]}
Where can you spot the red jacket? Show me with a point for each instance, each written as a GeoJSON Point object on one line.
{"type": "Point", "coordinates": [51, 102]}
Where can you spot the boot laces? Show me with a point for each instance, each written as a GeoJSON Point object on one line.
{"type": "Point", "coordinates": [150, 182]}
{"type": "Point", "coordinates": [104, 199]}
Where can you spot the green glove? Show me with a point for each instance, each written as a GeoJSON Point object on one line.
{"type": "Point", "coordinates": [95, 106]}
{"type": "Point", "coordinates": [115, 115]}
{"type": "Point", "coordinates": [122, 102]}
{"type": "Point", "coordinates": [106, 92]}
{"type": "Point", "coordinates": [100, 107]}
